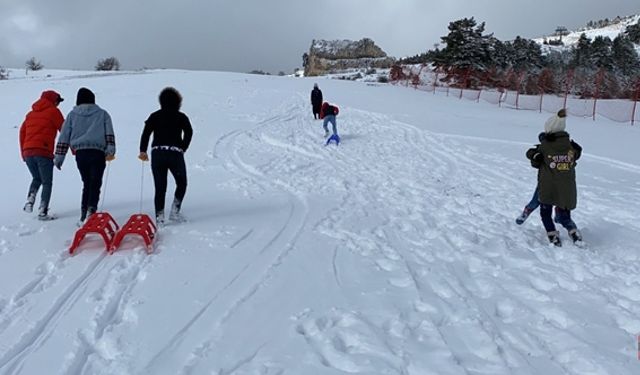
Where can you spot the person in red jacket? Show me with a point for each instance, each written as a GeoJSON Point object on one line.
{"type": "Point", "coordinates": [37, 141]}
{"type": "Point", "coordinates": [328, 112]}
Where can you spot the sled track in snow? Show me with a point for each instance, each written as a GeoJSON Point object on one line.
{"type": "Point", "coordinates": [446, 204]}
{"type": "Point", "coordinates": [48, 276]}
{"type": "Point", "coordinates": [272, 253]}
{"type": "Point", "coordinates": [117, 292]}
{"type": "Point", "coordinates": [12, 360]}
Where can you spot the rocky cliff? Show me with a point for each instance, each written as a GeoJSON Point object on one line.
{"type": "Point", "coordinates": [332, 56]}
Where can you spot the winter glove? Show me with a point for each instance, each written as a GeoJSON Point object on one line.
{"type": "Point", "coordinates": [576, 146]}
{"type": "Point", "coordinates": [538, 158]}
{"type": "Point", "coordinates": [110, 157]}
{"type": "Point", "coordinates": [542, 136]}
{"type": "Point", "coordinates": [57, 161]}
{"type": "Point", "coordinates": [143, 156]}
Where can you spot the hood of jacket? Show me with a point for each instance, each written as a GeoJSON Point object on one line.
{"type": "Point", "coordinates": [42, 104]}
{"type": "Point", "coordinates": [552, 137]}
{"type": "Point", "coordinates": [85, 109]}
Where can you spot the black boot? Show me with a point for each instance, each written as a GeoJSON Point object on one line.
{"type": "Point", "coordinates": [575, 235]}
{"type": "Point", "coordinates": [554, 238]}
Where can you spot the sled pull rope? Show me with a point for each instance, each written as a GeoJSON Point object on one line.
{"type": "Point", "coordinates": [106, 184]}
{"type": "Point", "coordinates": [141, 184]}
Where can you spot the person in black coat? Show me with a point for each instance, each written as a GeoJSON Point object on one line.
{"type": "Point", "coordinates": [316, 101]}
{"type": "Point", "coordinates": [172, 134]}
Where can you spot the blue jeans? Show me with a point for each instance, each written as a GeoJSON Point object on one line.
{"type": "Point", "coordinates": [330, 119]}
{"type": "Point", "coordinates": [534, 203]}
{"type": "Point", "coordinates": [562, 216]}
{"type": "Point", "coordinates": [41, 169]}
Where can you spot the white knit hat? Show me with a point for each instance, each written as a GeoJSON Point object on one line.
{"type": "Point", "coordinates": [555, 124]}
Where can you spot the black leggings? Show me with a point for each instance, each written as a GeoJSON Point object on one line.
{"type": "Point", "coordinates": [91, 164]}
{"type": "Point", "coordinates": [163, 161]}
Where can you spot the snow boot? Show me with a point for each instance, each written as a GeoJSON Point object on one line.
{"type": "Point", "coordinates": [335, 138]}
{"type": "Point", "coordinates": [31, 199]}
{"type": "Point", "coordinates": [576, 236]}
{"type": "Point", "coordinates": [554, 238]}
{"type": "Point", "coordinates": [175, 214]}
{"type": "Point", "coordinates": [43, 214]}
{"type": "Point", "coordinates": [85, 214]}
{"type": "Point", "coordinates": [160, 218]}
{"type": "Point", "coordinates": [83, 217]}
{"type": "Point", "coordinates": [524, 215]}
{"type": "Point", "coordinates": [326, 133]}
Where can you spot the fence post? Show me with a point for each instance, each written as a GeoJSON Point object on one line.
{"type": "Point", "coordinates": [635, 102]}
{"type": "Point", "coordinates": [435, 83]}
{"type": "Point", "coordinates": [599, 78]}
{"type": "Point", "coordinates": [541, 96]}
{"type": "Point", "coordinates": [418, 79]}
{"type": "Point", "coordinates": [541, 91]}
{"type": "Point", "coordinates": [566, 91]}
{"type": "Point", "coordinates": [505, 89]}
{"type": "Point", "coordinates": [520, 78]}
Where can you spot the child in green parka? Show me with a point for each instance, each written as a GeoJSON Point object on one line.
{"type": "Point", "coordinates": [555, 158]}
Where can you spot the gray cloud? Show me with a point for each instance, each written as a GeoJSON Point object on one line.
{"type": "Point", "coordinates": [242, 35]}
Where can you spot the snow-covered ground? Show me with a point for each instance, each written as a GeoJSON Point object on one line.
{"type": "Point", "coordinates": [393, 253]}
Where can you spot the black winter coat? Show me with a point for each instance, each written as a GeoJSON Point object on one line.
{"type": "Point", "coordinates": [316, 98]}
{"type": "Point", "coordinates": [170, 127]}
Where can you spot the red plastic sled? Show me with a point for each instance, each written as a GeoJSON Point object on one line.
{"type": "Point", "coordinates": [101, 223]}
{"type": "Point", "coordinates": [139, 224]}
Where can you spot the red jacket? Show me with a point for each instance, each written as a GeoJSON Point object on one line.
{"type": "Point", "coordinates": [38, 131]}
{"type": "Point", "coordinates": [328, 109]}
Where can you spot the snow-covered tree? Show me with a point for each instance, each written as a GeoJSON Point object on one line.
{"type": "Point", "coordinates": [502, 54]}
{"type": "Point", "coordinates": [466, 47]}
{"type": "Point", "coordinates": [110, 63]}
{"type": "Point", "coordinates": [633, 32]}
{"type": "Point", "coordinates": [581, 52]}
{"type": "Point", "coordinates": [33, 64]}
{"type": "Point", "coordinates": [600, 53]}
{"type": "Point", "coordinates": [4, 74]}
{"type": "Point", "coordinates": [624, 55]}
{"type": "Point", "coordinates": [527, 55]}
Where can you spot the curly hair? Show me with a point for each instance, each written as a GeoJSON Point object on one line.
{"type": "Point", "coordinates": [170, 98]}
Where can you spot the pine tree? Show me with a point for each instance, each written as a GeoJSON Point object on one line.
{"type": "Point", "coordinates": [633, 32]}
{"type": "Point", "coordinates": [466, 47]}
{"type": "Point", "coordinates": [600, 53]}
{"type": "Point", "coordinates": [527, 55]}
{"type": "Point", "coordinates": [502, 54]}
{"type": "Point", "coordinates": [581, 52]}
{"type": "Point", "coordinates": [624, 55]}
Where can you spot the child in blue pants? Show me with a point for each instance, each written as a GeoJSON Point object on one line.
{"type": "Point", "coordinates": [533, 204]}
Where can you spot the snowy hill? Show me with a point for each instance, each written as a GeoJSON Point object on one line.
{"type": "Point", "coordinates": [393, 253]}
{"type": "Point", "coordinates": [610, 31]}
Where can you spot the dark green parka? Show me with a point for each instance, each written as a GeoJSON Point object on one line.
{"type": "Point", "coordinates": [555, 157]}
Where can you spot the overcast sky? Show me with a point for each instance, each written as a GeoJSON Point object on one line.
{"type": "Point", "coordinates": [271, 35]}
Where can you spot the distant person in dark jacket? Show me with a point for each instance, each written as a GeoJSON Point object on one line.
{"type": "Point", "coordinates": [555, 157]}
{"type": "Point", "coordinates": [328, 113]}
{"type": "Point", "coordinates": [172, 134]}
{"type": "Point", "coordinates": [37, 139]}
{"type": "Point", "coordinates": [88, 131]}
{"type": "Point", "coordinates": [316, 101]}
